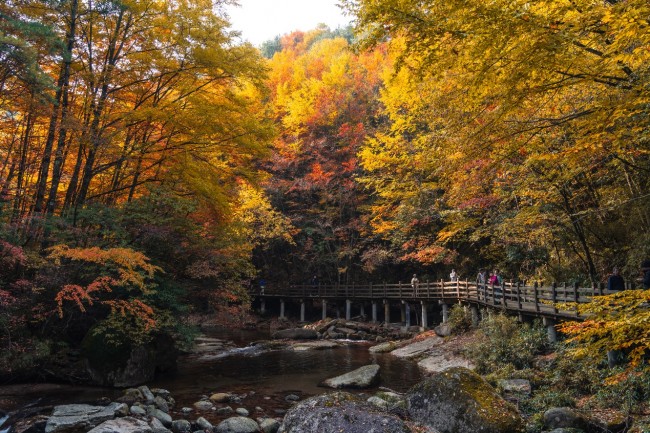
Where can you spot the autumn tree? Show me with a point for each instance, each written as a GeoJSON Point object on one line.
{"type": "Point", "coordinates": [529, 125]}
{"type": "Point", "coordinates": [324, 96]}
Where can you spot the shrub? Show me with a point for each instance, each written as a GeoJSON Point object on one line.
{"type": "Point", "coordinates": [460, 319]}
{"type": "Point", "coordinates": [502, 340]}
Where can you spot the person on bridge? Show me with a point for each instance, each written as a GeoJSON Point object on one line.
{"type": "Point", "coordinates": [415, 284]}
{"type": "Point", "coordinates": [453, 277]}
{"type": "Point", "coordinates": [480, 278]}
{"type": "Point", "coordinates": [645, 274]}
{"type": "Point", "coordinates": [615, 282]}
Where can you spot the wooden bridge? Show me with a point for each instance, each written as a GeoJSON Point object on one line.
{"type": "Point", "coordinates": [516, 298]}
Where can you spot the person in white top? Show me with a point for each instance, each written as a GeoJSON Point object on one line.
{"type": "Point", "coordinates": [453, 277]}
{"type": "Point", "coordinates": [415, 283]}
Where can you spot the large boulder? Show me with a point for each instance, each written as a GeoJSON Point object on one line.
{"type": "Point", "coordinates": [71, 418]}
{"type": "Point", "coordinates": [363, 377]}
{"type": "Point", "coordinates": [339, 412]}
{"type": "Point", "coordinates": [564, 417]}
{"type": "Point", "coordinates": [296, 334]}
{"type": "Point", "coordinates": [460, 401]}
{"type": "Point", "coordinates": [124, 364]}
{"type": "Point", "coordinates": [123, 425]}
{"type": "Point", "coordinates": [418, 348]}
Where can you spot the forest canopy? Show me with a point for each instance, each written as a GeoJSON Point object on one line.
{"type": "Point", "coordinates": [154, 166]}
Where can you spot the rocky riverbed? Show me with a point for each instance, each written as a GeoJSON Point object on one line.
{"type": "Point", "coordinates": [451, 398]}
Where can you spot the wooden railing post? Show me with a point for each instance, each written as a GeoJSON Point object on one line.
{"type": "Point", "coordinates": [536, 296]}
{"type": "Point", "coordinates": [494, 299]}
{"type": "Point", "coordinates": [384, 289]}
{"type": "Point", "coordinates": [399, 284]}
{"type": "Point", "coordinates": [519, 295]}
{"type": "Point", "coordinates": [371, 297]}
{"type": "Point", "coordinates": [428, 289]}
{"type": "Point", "coordinates": [467, 290]}
{"type": "Point", "coordinates": [554, 297]}
{"type": "Point", "coordinates": [457, 289]}
{"type": "Point", "coordinates": [576, 297]}
{"type": "Point", "coordinates": [601, 288]}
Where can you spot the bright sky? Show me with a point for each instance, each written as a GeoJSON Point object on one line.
{"type": "Point", "coordinates": [261, 20]}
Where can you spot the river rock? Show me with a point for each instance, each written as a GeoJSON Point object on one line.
{"type": "Point", "coordinates": [387, 400]}
{"type": "Point", "coordinates": [203, 405]}
{"type": "Point", "coordinates": [515, 386]}
{"type": "Point", "coordinates": [268, 425]}
{"type": "Point", "coordinates": [291, 397]}
{"type": "Point", "coordinates": [379, 402]}
{"type": "Point", "coordinates": [460, 401]}
{"type": "Point", "coordinates": [242, 411]}
{"type": "Point", "coordinates": [137, 411]}
{"type": "Point", "coordinates": [339, 412]}
{"type": "Point", "coordinates": [122, 425]}
{"type": "Point", "coordinates": [314, 345]}
{"type": "Point", "coordinates": [363, 377]}
{"type": "Point", "coordinates": [163, 417]}
{"type": "Point", "coordinates": [386, 347]}
{"type": "Point", "coordinates": [203, 424]}
{"type": "Point", "coordinates": [438, 360]}
{"type": "Point", "coordinates": [237, 424]}
{"type": "Point", "coordinates": [147, 394]}
{"type": "Point", "coordinates": [563, 417]}
{"type": "Point", "coordinates": [161, 404]}
{"type": "Point", "coordinates": [158, 427]}
{"type": "Point", "coordinates": [220, 397]}
{"type": "Point", "coordinates": [443, 330]}
{"type": "Point", "coordinates": [79, 417]}
{"type": "Point", "coordinates": [181, 426]}
{"type": "Point", "coordinates": [226, 410]}
{"type": "Point", "coordinates": [295, 334]}
{"type": "Point", "coordinates": [418, 348]}
{"type": "Point", "coordinates": [161, 392]}
{"type": "Point", "coordinates": [566, 430]}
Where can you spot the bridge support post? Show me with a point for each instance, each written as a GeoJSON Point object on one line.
{"type": "Point", "coordinates": [425, 319]}
{"type": "Point", "coordinates": [363, 311]}
{"type": "Point", "coordinates": [406, 309]}
{"type": "Point", "coordinates": [386, 312]}
{"type": "Point", "coordinates": [374, 311]}
{"type": "Point", "coordinates": [262, 306]}
{"type": "Point", "coordinates": [402, 311]}
{"type": "Point", "coordinates": [348, 309]}
{"type": "Point", "coordinates": [324, 308]}
{"type": "Point", "coordinates": [475, 316]}
{"type": "Point", "coordinates": [445, 313]}
{"type": "Point", "coordinates": [302, 310]}
{"type": "Point", "coordinates": [282, 309]}
{"type": "Point", "coordinates": [550, 329]}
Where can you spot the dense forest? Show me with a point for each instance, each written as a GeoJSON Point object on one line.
{"type": "Point", "coordinates": [154, 166]}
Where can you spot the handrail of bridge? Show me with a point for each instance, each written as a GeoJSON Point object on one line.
{"type": "Point", "coordinates": [513, 296]}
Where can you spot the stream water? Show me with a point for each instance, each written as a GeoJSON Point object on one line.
{"type": "Point", "coordinates": [265, 378]}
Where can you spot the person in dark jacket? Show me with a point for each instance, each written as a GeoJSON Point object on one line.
{"type": "Point", "coordinates": [615, 281]}
{"type": "Point", "coordinates": [645, 272]}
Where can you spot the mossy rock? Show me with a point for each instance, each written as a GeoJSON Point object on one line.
{"type": "Point", "coordinates": [339, 412]}
{"type": "Point", "coordinates": [460, 401]}
{"type": "Point", "coordinates": [124, 364]}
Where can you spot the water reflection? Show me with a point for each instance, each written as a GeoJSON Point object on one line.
{"type": "Point", "coordinates": [269, 375]}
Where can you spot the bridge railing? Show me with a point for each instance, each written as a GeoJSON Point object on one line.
{"type": "Point", "coordinates": [510, 295]}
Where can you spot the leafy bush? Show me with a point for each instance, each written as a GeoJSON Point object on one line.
{"type": "Point", "coordinates": [628, 394]}
{"type": "Point", "coordinates": [460, 319]}
{"type": "Point", "coordinates": [502, 340]}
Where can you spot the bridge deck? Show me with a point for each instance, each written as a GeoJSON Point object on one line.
{"type": "Point", "coordinates": [512, 297]}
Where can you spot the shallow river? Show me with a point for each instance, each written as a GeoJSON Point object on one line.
{"type": "Point", "coordinates": [266, 377]}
